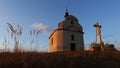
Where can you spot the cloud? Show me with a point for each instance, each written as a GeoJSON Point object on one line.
{"type": "Point", "coordinates": [41, 28]}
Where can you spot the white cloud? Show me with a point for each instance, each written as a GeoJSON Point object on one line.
{"type": "Point", "coordinates": [42, 28]}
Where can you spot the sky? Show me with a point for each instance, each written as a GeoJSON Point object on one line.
{"type": "Point", "coordinates": [33, 14]}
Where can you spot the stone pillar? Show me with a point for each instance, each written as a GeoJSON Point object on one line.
{"type": "Point", "coordinates": [98, 34]}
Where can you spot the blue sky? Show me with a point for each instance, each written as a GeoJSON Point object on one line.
{"type": "Point", "coordinates": [51, 12]}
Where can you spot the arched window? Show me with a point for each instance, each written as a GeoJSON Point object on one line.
{"type": "Point", "coordinates": [72, 37]}
{"type": "Point", "coordinates": [52, 41]}
{"type": "Point", "coordinates": [72, 22]}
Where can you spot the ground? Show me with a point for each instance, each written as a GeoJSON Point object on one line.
{"type": "Point", "coordinates": [76, 59]}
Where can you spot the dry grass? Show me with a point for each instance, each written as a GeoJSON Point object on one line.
{"type": "Point", "coordinates": [16, 40]}
{"type": "Point", "coordinates": [83, 59]}
{"type": "Point", "coordinates": [78, 59]}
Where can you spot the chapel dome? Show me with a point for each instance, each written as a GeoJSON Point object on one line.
{"type": "Point", "coordinates": [71, 17]}
{"type": "Point", "coordinates": [70, 22]}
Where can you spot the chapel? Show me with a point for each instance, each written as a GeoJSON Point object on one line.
{"type": "Point", "coordinates": [68, 36]}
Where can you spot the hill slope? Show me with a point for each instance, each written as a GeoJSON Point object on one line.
{"type": "Point", "coordinates": [83, 59]}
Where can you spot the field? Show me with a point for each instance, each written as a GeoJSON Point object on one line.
{"type": "Point", "coordinates": [77, 59]}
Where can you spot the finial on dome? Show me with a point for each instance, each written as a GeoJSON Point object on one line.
{"type": "Point", "coordinates": [66, 14]}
